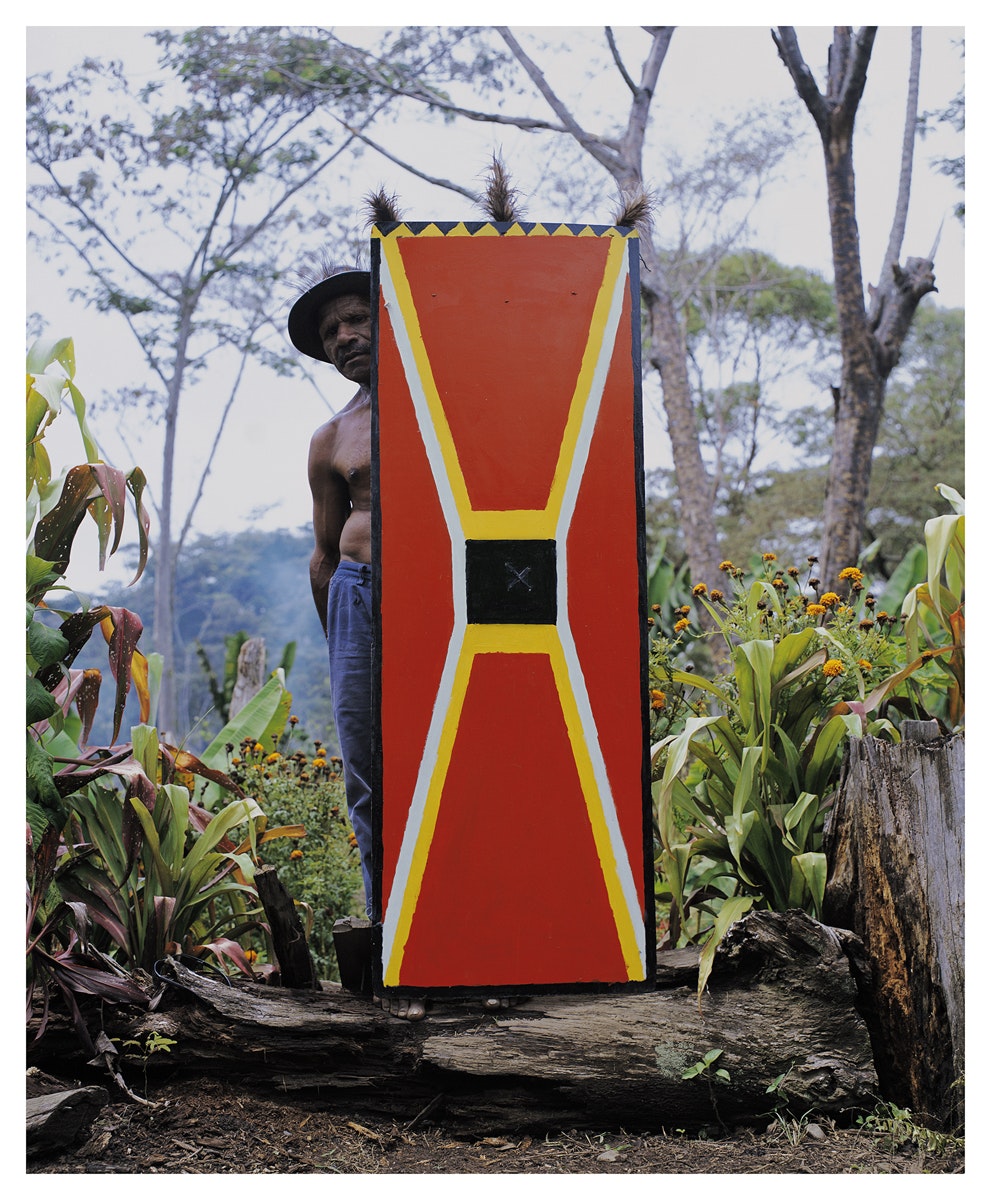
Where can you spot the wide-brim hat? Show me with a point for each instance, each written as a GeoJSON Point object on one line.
{"type": "Point", "coordinates": [304, 315]}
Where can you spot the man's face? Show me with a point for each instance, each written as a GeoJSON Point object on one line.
{"type": "Point", "coordinates": [345, 329]}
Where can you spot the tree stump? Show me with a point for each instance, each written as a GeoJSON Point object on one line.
{"type": "Point", "coordinates": [895, 843]}
{"type": "Point", "coordinates": [250, 673]}
{"type": "Point", "coordinates": [780, 1002]}
{"type": "Point", "coordinates": [296, 969]}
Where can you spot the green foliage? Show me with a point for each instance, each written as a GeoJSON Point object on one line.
{"type": "Point", "coordinates": [151, 871]}
{"type": "Point", "coordinates": [56, 507]}
{"type": "Point", "coordinates": [933, 611]}
{"type": "Point", "coordinates": [122, 867]}
{"type": "Point", "coordinates": [321, 869]}
{"type": "Point", "coordinates": [704, 1067]}
{"type": "Point", "coordinates": [744, 763]}
{"type": "Point", "coordinates": [252, 580]}
{"type": "Point", "coordinates": [896, 1127]}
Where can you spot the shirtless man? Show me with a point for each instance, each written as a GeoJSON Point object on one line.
{"type": "Point", "coordinates": [332, 323]}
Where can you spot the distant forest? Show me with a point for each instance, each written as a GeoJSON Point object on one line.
{"type": "Point", "coordinates": [252, 581]}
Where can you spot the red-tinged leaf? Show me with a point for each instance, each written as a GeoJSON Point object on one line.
{"type": "Point", "coordinates": [184, 761]}
{"type": "Point", "coordinates": [136, 485]}
{"type": "Point", "coordinates": [55, 532]}
{"type": "Point", "coordinates": [105, 906]}
{"type": "Point", "coordinates": [87, 700]}
{"type": "Point", "coordinates": [121, 628]}
{"type": "Point", "coordinates": [226, 948]}
{"type": "Point", "coordinates": [111, 515]}
{"type": "Point", "coordinates": [81, 772]}
{"type": "Point", "coordinates": [79, 975]}
{"type": "Point", "coordinates": [43, 866]}
{"type": "Point", "coordinates": [76, 629]}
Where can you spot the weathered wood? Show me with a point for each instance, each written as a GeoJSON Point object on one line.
{"type": "Point", "coordinates": [780, 1002]}
{"type": "Point", "coordinates": [60, 1118]}
{"type": "Point", "coordinates": [296, 969]}
{"type": "Point", "coordinates": [895, 843]}
{"type": "Point", "coordinates": [250, 673]}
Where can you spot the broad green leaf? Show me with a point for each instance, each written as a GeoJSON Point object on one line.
{"type": "Point", "coordinates": [808, 871]}
{"type": "Point", "coordinates": [732, 910]}
{"type": "Point", "coordinates": [45, 351]}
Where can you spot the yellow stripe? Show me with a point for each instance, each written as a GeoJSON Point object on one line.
{"type": "Point", "coordinates": [622, 918]}
{"type": "Point", "coordinates": [407, 309]}
{"type": "Point", "coordinates": [411, 893]}
{"type": "Point", "coordinates": [593, 349]}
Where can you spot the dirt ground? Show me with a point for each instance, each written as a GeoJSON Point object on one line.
{"type": "Point", "coordinates": [200, 1126]}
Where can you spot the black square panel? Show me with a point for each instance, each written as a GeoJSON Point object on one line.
{"type": "Point", "coordinates": [511, 581]}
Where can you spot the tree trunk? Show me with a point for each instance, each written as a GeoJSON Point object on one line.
{"type": "Point", "coordinates": [780, 1002]}
{"type": "Point", "coordinates": [870, 344]}
{"type": "Point", "coordinates": [895, 843]}
{"type": "Point", "coordinates": [250, 673]}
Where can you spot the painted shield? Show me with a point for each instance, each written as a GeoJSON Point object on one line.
{"type": "Point", "coordinates": [513, 829]}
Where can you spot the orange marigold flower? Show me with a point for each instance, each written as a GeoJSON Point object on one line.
{"type": "Point", "coordinates": [294, 720]}
{"type": "Point", "coordinates": [726, 565]}
{"type": "Point", "coordinates": [655, 608]}
{"type": "Point", "coordinates": [251, 955]}
{"type": "Point", "coordinates": [830, 599]}
{"type": "Point", "coordinates": [832, 667]}
{"type": "Point", "coordinates": [658, 700]}
{"type": "Point", "coordinates": [866, 623]}
{"type": "Point", "coordinates": [273, 757]}
{"type": "Point", "coordinates": [865, 664]}
{"type": "Point", "coordinates": [296, 854]}
{"type": "Point", "coordinates": [258, 748]}
{"type": "Point", "coordinates": [319, 763]}
{"type": "Point", "coordinates": [793, 572]}
{"type": "Point", "coordinates": [768, 557]}
{"type": "Point", "coordinates": [682, 625]}
{"type": "Point", "coordinates": [779, 583]}
{"type": "Point", "coordinates": [699, 589]}
{"type": "Point", "coordinates": [235, 762]}
{"type": "Point", "coordinates": [352, 841]}
{"type": "Point", "coordinates": [853, 573]}
{"type": "Point", "coordinates": [650, 620]}
{"type": "Point", "coordinates": [815, 610]}
{"type": "Point", "coordinates": [716, 595]}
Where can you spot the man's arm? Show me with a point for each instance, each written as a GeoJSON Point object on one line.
{"type": "Point", "coordinates": [331, 507]}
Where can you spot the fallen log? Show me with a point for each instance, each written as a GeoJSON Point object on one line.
{"type": "Point", "coordinates": [58, 1119]}
{"type": "Point", "coordinates": [780, 1003]}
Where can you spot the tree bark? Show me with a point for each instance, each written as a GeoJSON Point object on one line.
{"type": "Point", "coordinates": [60, 1118]}
{"type": "Point", "coordinates": [250, 673]}
{"type": "Point", "coordinates": [780, 1001]}
{"type": "Point", "coordinates": [296, 969]}
{"type": "Point", "coordinates": [895, 843]}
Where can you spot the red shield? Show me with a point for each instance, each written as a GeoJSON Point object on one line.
{"type": "Point", "coordinates": [513, 842]}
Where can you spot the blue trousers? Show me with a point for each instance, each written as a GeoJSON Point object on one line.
{"type": "Point", "coordinates": [349, 639]}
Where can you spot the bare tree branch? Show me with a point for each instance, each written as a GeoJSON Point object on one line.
{"type": "Point", "coordinates": [900, 219]}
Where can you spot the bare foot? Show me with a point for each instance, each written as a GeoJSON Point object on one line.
{"type": "Point", "coordinates": [497, 1002]}
{"type": "Point", "coordinates": [403, 1007]}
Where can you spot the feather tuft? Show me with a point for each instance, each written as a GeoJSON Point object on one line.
{"type": "Point", "coordinates": [635, 211]}
{"type": "Point", "coordinates": [500, 199]}
{"type": "Point", "coordinates": [382, 208]}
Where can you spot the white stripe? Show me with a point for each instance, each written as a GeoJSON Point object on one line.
{"type": "Point", "coordinates": [575, 674]}
{"type": "Point", "coordinates": [442, 700]}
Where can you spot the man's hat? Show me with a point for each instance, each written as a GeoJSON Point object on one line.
{"type": "Point", "coordinates": [304, 314]}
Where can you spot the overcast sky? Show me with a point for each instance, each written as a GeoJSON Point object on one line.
{"type": "Point", "coordinates": [707, 71]}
